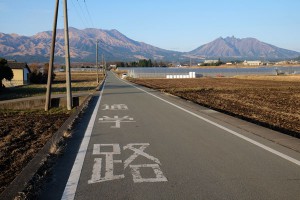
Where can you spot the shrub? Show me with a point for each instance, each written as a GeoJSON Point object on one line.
{"type": "Point", "coordinates": [5, 72]}
{"type": "Point", "coordinates": [37, 77]}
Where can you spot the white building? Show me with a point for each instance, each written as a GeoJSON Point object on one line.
{"type": "Point", "coordinates": [253, 63]}
{"type": "Point", "coordinates": [210, 61]}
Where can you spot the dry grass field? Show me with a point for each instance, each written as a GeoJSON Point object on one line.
{"type": "Point", "coordinates": [272, 101]}
{"type": "Point", "coordinates": [81, 82]}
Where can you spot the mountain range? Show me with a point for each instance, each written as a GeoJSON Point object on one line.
{"type": "Point", "coordinates": [117, 47]}
{"type": "Point", "coordinates": [248, 48]}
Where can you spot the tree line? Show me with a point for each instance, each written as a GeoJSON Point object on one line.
{"type": "Point", "coordinates": [141, 63]}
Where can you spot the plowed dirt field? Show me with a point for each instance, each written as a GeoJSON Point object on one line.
{"type": "Point", "coordinates": [269, 101]}
{"type": "Point", "coordinates": [22, 135]}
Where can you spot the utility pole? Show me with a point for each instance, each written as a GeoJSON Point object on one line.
{"type": "Point", "coordinates": [97, 61]}
{"type": "Point", "coordinates": [103, 68]}
{"type": "Point", "coordinates": [105, 65]}
{"type": "Point", "coordinates": [50, 69]}
{"type": "Point", "coordinates": [67, 58]}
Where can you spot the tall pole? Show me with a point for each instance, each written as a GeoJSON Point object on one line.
{"type": "Point", "coordinates": [103, 68]}
{"type": "Point", "coordinates": [97, 61]}
{"type": "Point", "coordinates": [105, 65]}
{"type": "Point", "coordinates": [67, 54]}
{"type": "Point", "coordinates": [50, 70]}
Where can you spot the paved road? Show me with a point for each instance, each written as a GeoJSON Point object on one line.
{"type": "Point", "coordinates": [141, 144]}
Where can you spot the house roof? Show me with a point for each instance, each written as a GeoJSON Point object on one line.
{"type": "Point", "coordinates": [18, 65]}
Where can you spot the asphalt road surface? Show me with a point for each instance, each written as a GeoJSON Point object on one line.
{"type": "Point", "coordinates": [136, 143]}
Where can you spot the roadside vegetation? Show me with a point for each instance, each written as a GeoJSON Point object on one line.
{"type": "Point", "coordinates": [272, 101]}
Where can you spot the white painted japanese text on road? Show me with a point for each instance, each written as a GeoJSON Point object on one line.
{"type": "Point", "coordinates": [114, 149]}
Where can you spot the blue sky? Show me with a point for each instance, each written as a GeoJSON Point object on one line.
{"type": "Point", "coordinates": [180, 25]}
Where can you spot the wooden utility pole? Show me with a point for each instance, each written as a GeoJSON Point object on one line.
{"type": "Point", "coordinates": [97, 61]}
{"type": "Point", "coordinates": [67, 58]}
{"type": "Point", "coordinates": [50, 69]}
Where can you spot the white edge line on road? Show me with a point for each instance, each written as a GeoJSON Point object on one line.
{"type": "Point", "coordinates": [286, 157]}
{"type": "Point", "coordinates": [71, 186]}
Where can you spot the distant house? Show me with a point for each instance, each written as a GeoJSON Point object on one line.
{"type": "Point", "coordinates": [211, 61]}
{"type": "Point", "coordinates": [253, 63]}
{"type": "Point", "coordinates": [21, 74]}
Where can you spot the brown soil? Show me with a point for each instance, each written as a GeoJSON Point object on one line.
{"type": "Point", "coordinates": [22, 135]}
{"type": "Point", "coordinates": [272, 103]}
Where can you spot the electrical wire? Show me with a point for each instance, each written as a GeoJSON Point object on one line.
{"type": "Point", "coordinates": [79, 14]}
{"type": "Point", "coordinates": [84, 14]}
{"type": "Point", "coordinates": [89, 14]}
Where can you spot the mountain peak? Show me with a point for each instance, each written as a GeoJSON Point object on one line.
{"type": "Point", "coordinates": [250, 48]}
{"type": "Point", "coordinates": [15, 35]}
{"type": "Point", "coordinates": [115, 31]}
{"type": "Point", "coordinates": [116, 46]}
{"type": "Point", "coordinates": [113, 44]}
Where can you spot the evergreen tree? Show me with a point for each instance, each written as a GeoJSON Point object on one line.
{"type": "Point", "coordinates": [5, 72]}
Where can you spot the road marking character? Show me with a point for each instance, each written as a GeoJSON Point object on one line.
{"type": "Point", "coordinates": [115, 107]}
{"type": "Point", "coordinates": [117, 120]}
{"type": "Point", "coordinates": [135, 169]}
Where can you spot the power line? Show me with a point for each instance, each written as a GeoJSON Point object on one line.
{"type": "Point", "coordinates": [89, 14]}
{"type": "Point", "coordinates": [79, 14]}
{"type": "Point", "coordinates": [83, 13]}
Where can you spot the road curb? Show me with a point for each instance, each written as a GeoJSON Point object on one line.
{"type": "Point", "coordinates": [31, 170]}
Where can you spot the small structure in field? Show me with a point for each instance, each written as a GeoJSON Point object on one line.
{"type": "Point", "coordinates": [190, 75]}
{"type": "Point", "coordinates": [253, 63]}
{"type": "Point", "coordinates": [210, 61]}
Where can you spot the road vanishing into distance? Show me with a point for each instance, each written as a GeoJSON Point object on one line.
{"type": "Point", "coordinates": [137, 143]}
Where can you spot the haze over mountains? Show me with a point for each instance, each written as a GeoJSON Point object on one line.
{"type": "Point", "coordinates": [117, 47]}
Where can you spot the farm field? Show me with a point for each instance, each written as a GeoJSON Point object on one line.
{"type": "Point", "coordinates": [22, 135]}
{"type": "Point", "coordinates": [81, 82]}
{"type": "Point", "coordinates": [272, 101]}
{"type": "Point", "coordinates": [24, 132]}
